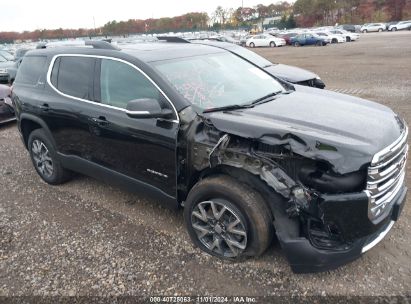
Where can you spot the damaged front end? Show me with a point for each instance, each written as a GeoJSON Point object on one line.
{"type": "Point", "coordinates": [320, 215]}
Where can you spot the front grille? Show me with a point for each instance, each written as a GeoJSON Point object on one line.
{"type": "Point", "coordinates": [386, 175]}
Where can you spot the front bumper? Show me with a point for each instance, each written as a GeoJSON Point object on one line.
{"type": "Point", "coordinates": [304, 257]}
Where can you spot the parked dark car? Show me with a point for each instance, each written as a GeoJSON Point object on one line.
{"type": "Point", "coordinates": [286, 72]}
{"type": "Point", "coordinates": [6, 109]}
{"type": "Point", "coordinates": [207, 131]}
{"type": "Point", "coordinates": [309, 39]}
{"type": "Point", "coordinates": [348, 27]}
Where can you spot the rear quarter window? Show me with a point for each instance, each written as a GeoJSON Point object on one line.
{"type": "Point", "coordinates": [31, 69]}
{"type": "Point", "coordinates": [73, 76]}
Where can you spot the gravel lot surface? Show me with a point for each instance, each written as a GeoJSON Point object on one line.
{"type": "Point", "coordinates": [86, 238]}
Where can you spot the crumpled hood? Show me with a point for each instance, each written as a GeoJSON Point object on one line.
{"type": "Point", "coordinates": [290, 73]}
{"type": "Point", "coordinates": [343, 130]}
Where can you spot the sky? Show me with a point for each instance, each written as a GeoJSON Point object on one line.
{"type": "Point", "coordinates": [20, 15]}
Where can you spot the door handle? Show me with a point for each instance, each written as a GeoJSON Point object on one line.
{"type": "Point", "coordinates": [101, 121]}
{"type": "Point", "coordinates": [44, 107]}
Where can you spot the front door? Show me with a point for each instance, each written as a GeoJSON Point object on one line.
{"type": "Point", "coordinates": [144, 149]}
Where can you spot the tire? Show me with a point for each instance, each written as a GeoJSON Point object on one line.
{"type": "Point", "coordinates": [210, 231]}
{"type": "Point", "coordinates": [296, 44]}
{"type": "Point", "coordinates": [365, 31]}
{"type": "Point", "coordinates": [334, 40]}
{"type": "Point", "coordinates": [394, 29]}
{"type": "Point", "coordinates": [44, 158]}
{"type": "Point", "coordinates": [252, 45]}
{"type": "Point", "coordinates": [319, 43]}
{"type": "Point", "coordinates": [272, 44]}
{"type": "Point", "coordinates": [380, 30]}
{"type": "Point", "coordinates": [348, 39]}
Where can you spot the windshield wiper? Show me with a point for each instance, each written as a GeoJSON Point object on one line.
{"type": "Point", "coordinates": [265, 98]}
{"type": "Point", "coordinates": [258, 101]}
{"type": "Point", "coordinates": [228, 108]}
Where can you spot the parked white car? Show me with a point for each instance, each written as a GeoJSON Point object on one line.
{"type": "Point", "coordinates": [373, 27]}
{"type": "Point", "coordinates": [402, 25]}
{"type": "Point", "coordinates": [265, 40]}
{"type": "Point", "coordinates": [348, 35]}
{"type": "Point", "coordinates": [333, 38]}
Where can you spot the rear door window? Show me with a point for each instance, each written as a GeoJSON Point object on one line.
{"type": "Point", "coordinates": [31, 70]}
{"type": "Point", "coordinates": [73, 75]}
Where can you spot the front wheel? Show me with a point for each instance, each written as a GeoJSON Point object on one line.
{"type": "Point", "coordinates": [252, 45]}
{"type": "Point", "coordinates": [364, 31]}
{"type": "Point", "coordinates": [348, 39]}
{"type": "Point", "coordinates": [394, 29]}
{"type": "Point", "coordinates": [272, 44]}
{"type": "Point", "coordinates": [227, 219]}
{"type": "Point", "coordinates": [319, 43]}
{"type": "Point", "coordinates": [380, 30]}
{"type": "Point", "coordinates": [296, 44]}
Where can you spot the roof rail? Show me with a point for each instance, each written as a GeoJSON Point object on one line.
{"type": "Point", "coordinates": [101, 45]}
{"type": "Point", "coordinates": [172, 39]}
{"type": "Point", "coordinates": [77, 43]}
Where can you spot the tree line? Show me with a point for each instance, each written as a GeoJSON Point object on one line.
{"type": "Point", "coordinates": [303, 13]}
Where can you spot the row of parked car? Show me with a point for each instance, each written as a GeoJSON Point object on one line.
{"type": "Point", "coordinates": [391, 26]}
{"type": "Point", "coordinates": [318, 36]}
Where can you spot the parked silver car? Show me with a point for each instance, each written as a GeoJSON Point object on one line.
{"type": "Point", "coordinates": [402, 25]}
{"type": "Point", "coordinates": [373, 27]}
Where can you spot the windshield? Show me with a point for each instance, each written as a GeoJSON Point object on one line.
{"type": "Point", "coordinates": [7, 55]}
{"type": "Point", "coordinates": [217, 80]}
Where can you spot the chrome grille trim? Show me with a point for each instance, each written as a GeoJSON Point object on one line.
{"type": "Point", "coordinates": [389, 150]}
{"type": "Point", "coordinates": [386, 175]}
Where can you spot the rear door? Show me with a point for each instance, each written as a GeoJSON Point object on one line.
{"type": "Point", "coordinates": [69, 104]}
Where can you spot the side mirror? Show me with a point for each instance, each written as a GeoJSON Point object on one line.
{"type": "Point", "coordinates": [147, 108]}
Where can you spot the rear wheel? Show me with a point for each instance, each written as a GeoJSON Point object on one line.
{"type": "Point", "coordinates": [296, 44]}
{"type": "Point", "coordinates": [364, 31]}
{"type": "Point", "coordinates": [348, 39]}
{"type": "Point", "coordinates": [334, 40]}
{"type": "Point", "coordinates": [380, 30]}
{"type": "Point", "coordinates": [227, 219]}
{"type": "Point", "coordinates": [252, 45]}
{"type": "Point", "coordinates": [272, 44]}
{"type": "Point", "coordinates": [319, 43]}
{"type": "Point", "coordinates": [44, 158]}
{"type": "Point", "coordinates": [394, 29]}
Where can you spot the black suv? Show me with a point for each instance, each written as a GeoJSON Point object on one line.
{"type": "Point", "coordinates": [246, 156]}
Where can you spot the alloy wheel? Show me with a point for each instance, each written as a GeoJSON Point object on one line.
{"type": "Point", "coordinates": [42, 158]}
{"type": "Point", "coordinates": [219, 228]}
